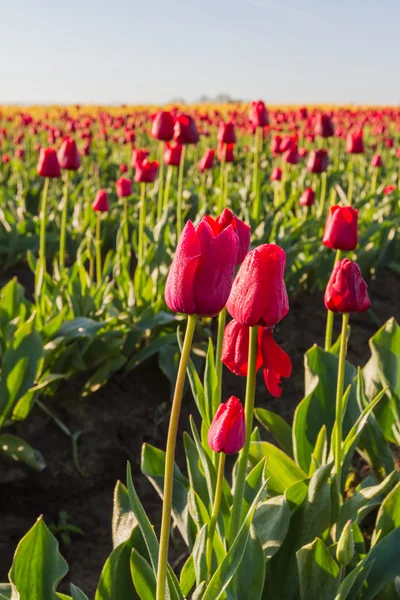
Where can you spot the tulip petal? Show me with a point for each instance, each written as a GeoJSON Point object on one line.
{"type": "Point", "coordinates": [236, 437]}
{"type": "Point", "coordinates": [180, 286]}
{"type": "Point", "coordinates": [219, 428]}
{"type": "Point", "coordinates": [235, 349]}
{"type": "Point", "coordinates": [276, 363]}
{"type": "Point", "coordinates": [215, 273]}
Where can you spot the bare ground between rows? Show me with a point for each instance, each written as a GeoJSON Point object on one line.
{"type": "Point", "coordinates": [128, 411]}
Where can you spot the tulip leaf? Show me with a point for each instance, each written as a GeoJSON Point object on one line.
{"type": "Point", "coordinates": [318, 572]}
{"type": "Point", "coordinates": [254, 480]}
{"type": "Point", "coordinates": [196, 476]}
{"type": "Point", "coordinates": [281, 470]}
{"type": "Point", "coordinates": [319, 455]}
{"type": "Point", "coordinates": [388, 516]}
{"type": "Point", "coordinates": [197, 510]}
{"type": "Point", "coordinates": [199, 555]}
{"type": "Point", "coordinates": [278, 428]}
{"type": "Point", "coordinates": [77, 594]}
{"type": "Point", "coordinates": [5, 591]}
{"type": "Point", "coordinates": [152, 348]}
{"type": "Point", "coordinates": [188, 576]}
{"type": "Point", "coordinates": [196, 386]}
{"type": "Point", "coordinates": [38, 566]}
{"type": "Point", "coordinates": [123, 519]}
{"type": "Point", "coordinates": [271, 522]}
{"type": "Point", "coordinates": [360, 572]}
{"type": "Point", "coordinates": [143, 577]}
{"type": "Point", "coordinates": [251, 571]}
{"type": "Point", "coordinates": [153, 466]}
{"type": "Point", "coordinates": [17, 449]}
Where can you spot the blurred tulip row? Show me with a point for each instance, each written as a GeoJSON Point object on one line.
{"type": "Point", "coordinates": [129, 251]}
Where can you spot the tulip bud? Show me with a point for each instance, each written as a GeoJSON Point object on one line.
{"type": "Point", "coordinates": [225, 152]}
{"type": "Point", "coordinates": [324, 126]}
{"type": "Point", "coordinates": [317, 161]}
{"type": "Point", "coordinates": [68, 155]}
{"type": "Point", "coordinates": [207, 160]}
{"type": "Point", "coordinates": [355, 143]}
{"type": "Point", "coordinates": [276, 145]}
{"type": "Point", "coordinates": [258, 295]}
{"type": "Point", "coordinates": [346, 291]}
{"type": "Point", "coordinates": [341, 229]}
{"type": "Point", "coordinates": [48, 163]}
{"type": "Point", "coordinates": [227, 432]}
{"type": "Point", "coordinates": [308, 197]}
{"type": "Point", "coordinates": [258, 115]}
{"type": "Point", "coordinates": [226, 133]}
{"type": "Point", "coordinates": [185, 130]}
{"type": "Point", "coordinates": [124, 187]}
{"type": "Point", "coordinates": [101, 203]}
{"type": "Point", "coordinates": [345, 547]}
{"type": "Point", "coordinates": [146, 171]}
{"type": "Point", "coordinates": [201, 274]}
{"type": "Point", "coordinates": [123, 167]}
{"type": "Point", "coordinates": [276, 174]}
{"type": "Point", "coordinates": [389, 189]}
{"type": "Point", "coordinates": [376, 161]}
{"type": "Point", "coordinates": [172, 154]}
{"type": "Point", "coordinates": [163, 126]}
{"type": "Point", "coordinates": [138, 156]}
{"type": "Point", "coordinates": [291, 156]}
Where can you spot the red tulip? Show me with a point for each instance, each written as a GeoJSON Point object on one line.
{"type": "Point", "coordinates": [226, 133]}
{"type": "Point", "coordinates": [308, 197]}
{"type": "Point", "coordinates": [172, 154]}
{"type": "Point", "coordinates": [243, 231]}
{"type": "Point", "coordinates": [201, 275]}
{"type": "Point", "coordinates": [48, 163]}
{"type": "Point", "coordinates": [258, 293]}
{"type": "Point", "coordinates": [123, 168]}
{"type": "Point", "coordinates": [341, 231]}
{"type": "Point", "coordinates": [258, 115]}
{"type": "Point", "coordinates": [276, 145]}
{"type": "Point", "coordinates": [235, 349]}
{"type": "Point", "coordinates": [317, 161]}
{"type": "Point", "coordinates": [20, 153]}
{"type": "Point", "coordinates": [5, 159]}
{"type": "Point", "coordinates": [376, 161]}
{"type": "Point", "coordinates": [207, 160]}
{"type": "Point", "coordinates": [291, 156]}
{"type": "Point", "coordinates": [324, 126]}
{"type": "Point", "coordinates": [346, 291]}
{"type": "Point", "coordinates": [101, 203]}
{"type": "Point", "coordinates": [124, 187]}
{"type": "Point", "coordinates": [355, 143]}
{"type": "Point", "coordinates": [286, 143]}
{"type": "Point", "coordinates": [163, 126]}
{"type": "Point", "coordinates": [227, 432]}
{"type": "Point", "coordinates": [276, 174]}
{"type": "Point", "coordinates": [185, 130]}
{"type": "Point", "coordinates": [138, 156]}
{"type": "Point", "coordinates": [389, 142]}
{"type": "Point", "coordinates": [302, 113]}
{"type": "Point", "coordinates": [388, 189]}
{"type": "Point", "coordinates": [225, 152]}
{"type": "Point", "coordinates": [146, 171]}
{"type": "Point", "coordinates": [276, 363]}
{"type": "Point", "coordinates": [68, 155]}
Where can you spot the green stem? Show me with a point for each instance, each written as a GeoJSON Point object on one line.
{"type": "Point", "coordinates": [256, 180]}
{"type": "Point", "coordinates": [169, 460]}
{"type": "Point", "coordinates": [203, 197]}
{"type": "Point", "coordinates": [41, 266]}
{"type": "Point", "coordinates": [215, 513]}
{"type": "Point", "coordinates": [98, 248]}
{"type": "Point", "coordinates": [374, 180]}
{"type": "Point", "coordinates": [64, 216]}
{"type": "Point", "coordinates": [142, 216]}
{"type": "Point", "coordinates": [179, 201]}
{"type": "Point", "coordinates": [167, 185]}
{"type": "Point", "coordinates": [221, 182]}
{"type": "Point", "coordinates": [339, 401]}
{"type": "Point", "coordinates": [244, 454]}
{"type": "Point", "coordinates": [161, 183]}
{"type": "Point", "coordinates": [218, 352]}
{"type": "Point", "coordinates": [322, 194]}
{"type": "Point", "coordinates": [126, 221]}
{"type": "Point", "coordinates": [350, 186]}
{"type": "Point", "coordinates": [330, 317]}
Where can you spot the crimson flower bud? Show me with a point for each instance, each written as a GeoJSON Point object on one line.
{"type": "Point", "coordinates": [276, 174]}
{"type": "Point", "coordinates": [138, 156]}
{"type": "Point", "coordinates": [389, 189]}
{"type": "Point", "coordinates": [341, 232]}
{"type": "Point", "coordinates": [146, 171]}
{"type": "Point", "coordinates": [303, 152]}
{"type": "Point", "coordinates": [226, 133]}
{"type": "Point", "coordinates": [286, 143]}
{"type": "Point", "coordinates": [20, 153]}
{"type": "Point", "coordinates": [225, 152]}
{"type": "Point", "coordinates": [242, 230]}
{"type": "Point", "coordinates": [258, 295]}
{"type": "Point", "coordinates": [258, 114]}
{"type": "Point", "coordinates": [291, 156]}
{"type": "Point", "coordinates": [68, 155]}
{"type": "Point", "coordinates": [227, 432]}
{"type": "Point", "coordinates": [163, 126]}
{"type": "Point", "coordinates": [124, 187]}
{"type": "Point", "coordinates": [317, 161]}
{"type": "Point", "coordinates": [346, 291]}
{"type": "Point", "coordinates": [355, 143]}
{"type": "Point", "coordinates": [202, 271]}
{"type": "Point", "coordinates": [307, 197]}
{"type": "Point", "coordinates": [123, 167]}
{"type": "Point", "coordinates": [235, 348]}
{"type": "Point", "coordinates": [324, 126]}
{"type": "Point", "coordinates": [276, 363]}
{"type": "Point", "coordinates": [48, 163]}
{"type": "Point", "coordinates": [207, 160]}
{"type": "Point", "coordinates": [5, 159]}
{"type": "Point", "coordinates": [101, 203]}
{"type": "Point", "coordinates": [376, 161]}
{"type": "Point", "coordinates": [302, 113]}
{"type": "Point", "coordinates": [389, 143]}
{"type": "Point", "coordinates": [276, 145]}
{"type": "Point", "coordinates": [185, 130]}
{"type": "Point", "coordinates": [172, 154]}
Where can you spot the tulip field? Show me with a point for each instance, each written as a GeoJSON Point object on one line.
{"type": "Point", "coordinates": [200, 353]}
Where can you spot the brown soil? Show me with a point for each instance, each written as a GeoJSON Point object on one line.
{"type": "Point", "coordinates": [115, 422]}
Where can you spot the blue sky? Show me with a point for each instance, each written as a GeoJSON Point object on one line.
{"type": "Point", "coordinates": [126, 51]}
